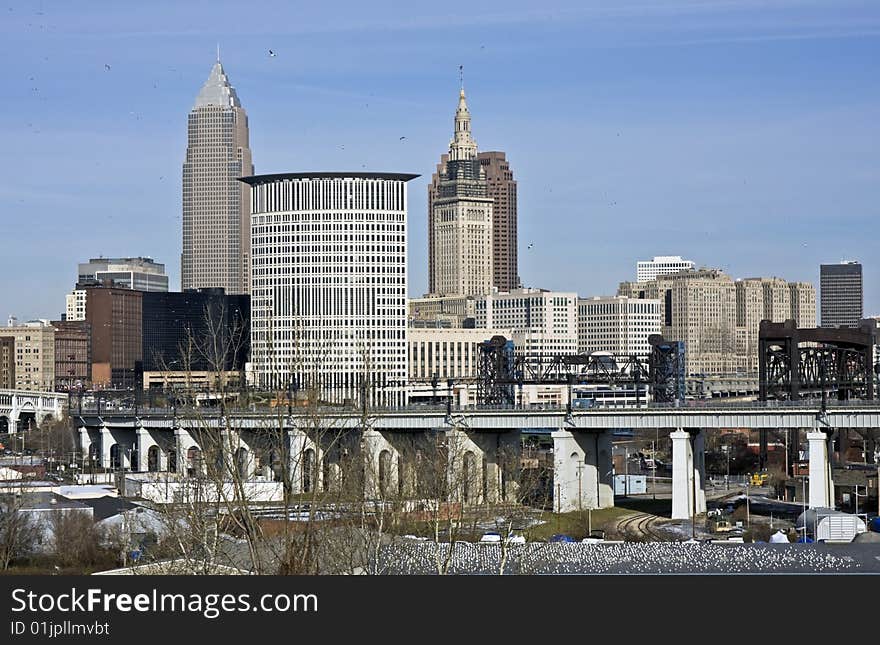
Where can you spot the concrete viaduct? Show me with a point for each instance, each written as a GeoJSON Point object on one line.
{"type": "Point", "coordinates": [20, 407]}
{"type": "Point", "coordinates": [159, 440]}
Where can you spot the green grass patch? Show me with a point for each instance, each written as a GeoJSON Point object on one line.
{"type": "Point", "coordinates": [575, 524]}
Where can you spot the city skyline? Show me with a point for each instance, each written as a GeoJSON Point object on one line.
{"type": "Point", "coordinates": [704, 172]}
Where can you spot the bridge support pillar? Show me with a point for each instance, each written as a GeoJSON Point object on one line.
{"type": "Point", "coordinates": [182, 443]}
{"type": "Point", "coordinates": [465, 463]}
{"type": "Point", "coordinates": [144, 441]}
{"type": "Point", "coordinates": [296, 446]}
{"type": "Point", "coordinates": [820, 470]}
{"type": "Point", "coordinates": [106, 443]}
{"type": "Point", "coordinates": [241, 454]}
{"type": "Point", "coordinates": [85, 443]}
{"type": "Point", "coordinates": [687, 474]}
{"type": "Point", "coordinates": [380, 465]}
{"type": "Point", "coordinates": [581, 471]}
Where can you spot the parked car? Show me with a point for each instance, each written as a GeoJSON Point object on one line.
{"type": "Point", "coordinates": [560, 537]}
{"type": "Point", "coordinates": [490, 538]}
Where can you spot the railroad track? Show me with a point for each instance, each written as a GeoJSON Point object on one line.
{"type": "Point", "coordinates": [638, 526]}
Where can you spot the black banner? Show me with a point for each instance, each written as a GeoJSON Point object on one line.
{"type": "Point", "coordinates": [155, 608]}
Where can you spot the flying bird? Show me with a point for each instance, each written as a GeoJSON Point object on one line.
{"type": "Point", "coordinates": [531, 244]}
{"type": "Point", "coordinates": [107, 67]}
{"type": "Point", "coordinates": [271, 54]}
{"type": "Point", "coordinates": [402, 138]}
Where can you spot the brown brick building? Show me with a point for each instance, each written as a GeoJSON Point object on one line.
{"type": "Point", "coordinates": [115, 317]}
{"type": "Point", "coordinates": [502, 188]}
{"type": "Point", "coordinates": [73, 354]}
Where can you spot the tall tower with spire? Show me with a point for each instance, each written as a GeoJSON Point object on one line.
{"type": "Point", "coordinates": [216, 206]}
{"type": "Point", "coordinates": [460, 217]}
{"type": "Point", "coordinates": [495, 181]}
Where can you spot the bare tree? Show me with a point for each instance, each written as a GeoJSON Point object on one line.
{"type": "Point", "coordinates": [18, 530]}
{"type": "Point", "coordinates": [76, 541]}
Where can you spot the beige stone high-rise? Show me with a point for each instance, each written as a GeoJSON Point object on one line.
{"type": "Point", "coordinates": [718, 318]}
{"type": "Point", "coordinates": [698, 307]}
{"type": "Point", "coordinates": [216, 207]}
{"type": "Point", "coordinates": [495, 179]}
{"type": "Point", "coordinates": [803, 304]}
{"type": "Point", "coordinates": [460, 217]}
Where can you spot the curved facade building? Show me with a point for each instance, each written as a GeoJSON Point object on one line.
{"type": "Point", "coordinates": [328, 284]}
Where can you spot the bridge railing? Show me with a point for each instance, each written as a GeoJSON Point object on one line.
{"type": "Point", "coordinates": [373, 411]}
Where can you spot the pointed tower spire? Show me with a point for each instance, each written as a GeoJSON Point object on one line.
{"type": "Point", "coordinates": [218, 52]}
{"type": "Point", "coordinates": [217, 90]}
{"type": "Point", "coordinates": [462, 145]}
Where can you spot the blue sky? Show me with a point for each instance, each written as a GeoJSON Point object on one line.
{"type": "Point", "coordinates": [740, 134]}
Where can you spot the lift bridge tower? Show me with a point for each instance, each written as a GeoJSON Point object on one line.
{"type": "Point", "coordinates": [500, 371]}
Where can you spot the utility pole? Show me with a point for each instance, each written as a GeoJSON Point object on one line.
{"type": "Point", "coordinates": [654, 471]}
{"type": "Point", "coordinates": [727, 452]}
{"type": "Point", "coordinates": [580, 472]}
{"type": "Point", "coordinates": [748, 513]}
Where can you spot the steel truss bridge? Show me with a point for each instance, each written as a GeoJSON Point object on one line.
{"type": "Point", "coordinates": [500, 370]}
{"type": "Point", "coordinates": [813, 364]}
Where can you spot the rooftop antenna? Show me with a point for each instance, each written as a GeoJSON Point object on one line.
{"type": "Point", "coordinates": [218, 52]}
{"type": "Point", "coordinates": [461, 77]}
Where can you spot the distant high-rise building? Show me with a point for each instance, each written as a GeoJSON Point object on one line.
{"type": "Point", "coordinates": [328, 307]}
{"type": "Point", "coordinates": [699, 308]}
{"type": "Point", "coordinates": [73, 359]}
{"type": "Point", "coordinates": [445, 353]}
{"type": "Point", "coordinates": [719, 319]}
{"type": "Point", "coordinates": [647, 270]}
{"type": "Point", "coordinates": [460, 216]}
{"type": "Point", "coordinates": [502, 189]}
{"type": "Point", "coordinates": [143, 274]}
{"type": "Point", "coordinates": [803, 304]}
{"type": "Point", "coordinates": [114, 315]}
{"type": "Point", "coordinates": [216, 215]}
{"type": "Point", "coordinates": [441, 311]}
{"type": "Point", "coordinates": [840, 294]}
{"type": "Point", "coordinates": [542, 322]}
{"type": "Point", "coordinates": [759, 299]}
{"type": "Point", "coordinates": [75, 304]}
{"type": "Point", "coordinates": [34, 354]}
{"type": "Point", "coordinates": [619, 324]}
{"type": "Point", "coordinates": [7, 362]}
{"type": "Point", "coordinates": [196, 330]}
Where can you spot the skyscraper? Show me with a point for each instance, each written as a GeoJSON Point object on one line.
{"type": "Point", "coordinates": [115, 317]}
{"type": "Point", "coordinates": [699, 308]}
{"type": "Point", "coordinates": [328, 308]}
{"type": "Point", "coordinates": [840, 294]}
{"type": "Point", "coordinates": [502, 189]}
{"type": "Point", "coordinates": [216, 208]}
{"type": "Point", "coordinates": [460, 216]}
